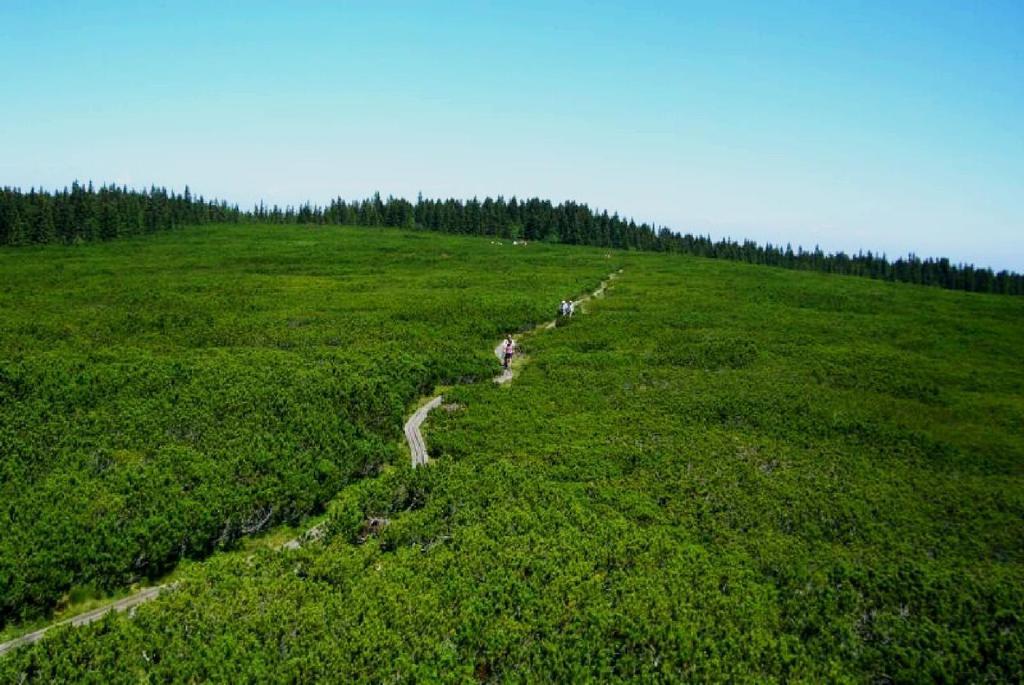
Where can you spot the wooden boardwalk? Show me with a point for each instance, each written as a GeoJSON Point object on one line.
{"type": "Point", "coordinates": [88, 617]}
{"type": "Point", "coordinates": [417, 447]}
{"type": "Point", "coordinates": [413, 436]}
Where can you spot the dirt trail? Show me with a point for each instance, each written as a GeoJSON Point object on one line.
{"type": "Point", "coordinates": [417, 447]}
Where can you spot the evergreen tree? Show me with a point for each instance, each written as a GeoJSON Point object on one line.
{"type": "Point", "coordinates": [86, 213]}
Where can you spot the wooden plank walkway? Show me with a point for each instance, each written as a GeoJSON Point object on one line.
{"type": "Point", "coordinates": [88, 617]}
{"type": "Point", "coordinates": [417, 447]}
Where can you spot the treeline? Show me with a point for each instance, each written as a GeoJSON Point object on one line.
{"type": "Point", "coordinates": [84, 213]}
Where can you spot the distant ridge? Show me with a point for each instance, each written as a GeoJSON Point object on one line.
{"type": "Point", "coordinates": [85, 213]}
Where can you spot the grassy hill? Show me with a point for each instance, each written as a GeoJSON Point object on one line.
{"type": "Point", "coordinates": [720, 472]}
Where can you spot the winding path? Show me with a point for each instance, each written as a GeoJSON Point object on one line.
{"type": "Point", "coordinates": [413, 436]}
{"type": "Point", "coordinates": [417, 447]}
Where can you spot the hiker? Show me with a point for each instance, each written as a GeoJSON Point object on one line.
{"type": "Point", "coordinates": [570, 308]}
{"type": "Point", "coordinates": [509, 349]}
{"type": "Point", "coordinates": [563, 309]}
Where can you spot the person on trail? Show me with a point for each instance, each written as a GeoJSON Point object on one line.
{"type": "Point", "coordinates": [509, 349]}
{"type": "Point", "coordinates": [570, 308]}
{"type": "Point", "coordinates": [563, 309]}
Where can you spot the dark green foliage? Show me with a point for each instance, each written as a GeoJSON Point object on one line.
{"type": "Point", "coordinates": [161, 397]}
{"type": "Point", "coordinates": [85, 214]}
{"type": "Point", "coordinates": [720, 473]}
{"type": "Point", "coordinates": [709, 353]}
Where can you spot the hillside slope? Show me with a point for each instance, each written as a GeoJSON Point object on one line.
{"type": "Point", "coordinates": [722, 472]}
{"type": "Point", "coordinates": [161, 397]}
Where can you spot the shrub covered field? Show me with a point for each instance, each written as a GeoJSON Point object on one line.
{"type": "Point", "coordinates": [162, 396]}
{"type": "Point", "coordinates": [720, 472]}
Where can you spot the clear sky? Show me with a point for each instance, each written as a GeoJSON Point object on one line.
{"type": "Point", "coordinates": [892, 126]}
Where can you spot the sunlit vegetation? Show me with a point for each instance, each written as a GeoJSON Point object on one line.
{"type": "Point", "coordinates": [720, 472]}
{"type": "Point", "coordinates": [161, 397]}
{"type": "Point", "coordinates": [84, 213]}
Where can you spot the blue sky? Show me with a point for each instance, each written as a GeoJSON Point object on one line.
{"type": "Point", "coordinates": [891, 126]}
